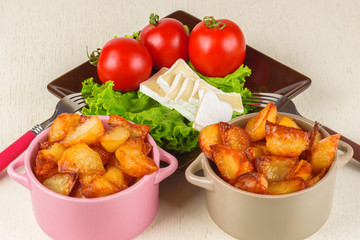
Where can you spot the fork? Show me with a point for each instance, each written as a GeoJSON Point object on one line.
{"type": "Point", "coordinates": [284, 104]}
{"type": "Point", "coordinates": [68, 104]}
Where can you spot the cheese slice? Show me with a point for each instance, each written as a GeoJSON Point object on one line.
{"type": "Point", "coordinates": [175, 87]}
{"type": "Point", "coordinates": [181, 103]}
{"type": "Point", "coordinates": [211, 110]}
{"type": "Point", "coordinates": [234, 99]}
{"type": "Point", "coordinates": [153, 90]}
{"type": "Point", "coordinates": [166, 80]}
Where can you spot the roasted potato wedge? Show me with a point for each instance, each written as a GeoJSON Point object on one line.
{"type": "Point", "coordinates": [99, 186]}
{"type": "Point", "coordinates": [114, 137]}
{"type": "Point", "coordinates": [76, 192]}
{"type": "Point", "coordinates": [117, 176]}
{"type": "Point", "coordinates": [80, 158]}
{"type": "Point", "coordinates": [104, 155]}
{"type": "Point", "coordinates": [287, 121]}
{"type": "Point", "coordinates": [303, 170]}
{"type": "Point", "coordinates": [209, 135]}
{"type": "Point", "coordinates": [312, 181]}
{"type": "Point", "coordinates": [136, 130]}
{"type": "Point", "coordinates": [46, 161]}
{"type": "Point", "coordinates": [276, 168]}
{"type": "Point", "coordinates": [87, 131]}
{"type": "Point", "coordinates": [262, 145]}
{"type": "Point", "coordinates": [234, 136]}
{"type": "Point", "coordinates": [62, 125]}
{"type": "Point", "coordinates": [230, 162]}
{"type": "Point", "coordinates": [286, 186]}
{"type": "Point", "coordinates": [61, 183]}
{"type": "Point", "coordinates": [314, 139]}
{"type": "Point", "coordinates": [323, 154]}
{"type": "Point", "coordinates": [252, 182]}
{"type": "Point", "coordinates": [256, 126]}
{"type": "Point", "coordinates": [286, 141]}
{"type": "Point", "coordinates": [132, 158]}
{"type": "Point", "coordinates": [253, 152]}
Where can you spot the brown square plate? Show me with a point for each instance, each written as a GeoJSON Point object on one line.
{"type": "Point", "coordinates": [267, 75]}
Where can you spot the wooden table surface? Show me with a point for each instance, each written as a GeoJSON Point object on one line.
{"type": "Point", "coordinates": [40, 40]}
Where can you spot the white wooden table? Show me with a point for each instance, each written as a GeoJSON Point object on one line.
{"type": "Point", "coordinates": [40, 40]}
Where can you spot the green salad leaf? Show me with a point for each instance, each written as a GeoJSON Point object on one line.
{"type": "Point", "coordinates": [168, 127]}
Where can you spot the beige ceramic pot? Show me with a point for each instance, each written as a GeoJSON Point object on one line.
{"type": "Point", "coordinates": [246, 215]}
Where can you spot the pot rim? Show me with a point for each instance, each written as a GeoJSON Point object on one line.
{"type": "Point", "coordinates": [31, 176]}
{"type": "Point", "coordinates": [219, 180]}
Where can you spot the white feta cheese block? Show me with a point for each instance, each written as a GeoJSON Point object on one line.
{"type": "Point", "coordinates": [212, 110]}
{"type": "Point", "coordinates": [166, 80]}
{"type": "Point", "coordinates": [153, 90]}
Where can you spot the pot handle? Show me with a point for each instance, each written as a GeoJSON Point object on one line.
{"type": "Point", "coordinates": [199, 181]}
{"type": "Point", "coordinates": [168, 170]}
{"type": "Point", "coordinates": [346, 156]}
{"type": "Point", "coordinates": [18, 177]}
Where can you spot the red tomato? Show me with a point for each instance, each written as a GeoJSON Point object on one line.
{"type": "Point", "coordinates": [126, 62]}
{"type": "Point", "coordinates": [166, 40]}
{"type": "Point", "coordinates": [218, 51]}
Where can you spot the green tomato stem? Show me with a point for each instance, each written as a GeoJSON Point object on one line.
{"type": "Point", "coordinates": [211, 23]}
{"type": "Point", "coordinates": [154, 19]}
{"type": "Point", "coordinates": [94, 56]}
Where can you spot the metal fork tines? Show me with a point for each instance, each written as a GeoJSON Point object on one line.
{"type": "Point", "coordinates": [262, 99]}
{"type": "Point", "coordinates": [281, 102]}
{"type": "Point", "coordinates": [70, 104]}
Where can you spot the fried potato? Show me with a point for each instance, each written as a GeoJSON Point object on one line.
{"type": "Point", "coordinates": [113, 161]}
{"type": "Point", "coordinates": [114, 137]}
{"type": "Point", "coordinates": [230, 162]}
{"type": "Point", "coordinates": [311, 182]}
{"type": "Point", "coordinates": [80, 158]}
{"type": "Point", "coordinates": [45, 167]}
{"type": "Point", "coordinates": [314, 139]}
{"type": "Point", "coordinates": [62, 125]}
{"type": "Point", "coordinates": [46, 144]}
{"type": "Point", "coordinates": [136, 130]}
{"type": "Point", "coordinates": [104, 155]}
{"type": "Point", "coordinates": [286, 141]}
{"type": "Point", "coordinates": [76, 192]}
{"type": "Point", "coordinates": [132, 158]}
{"type": "Point", "coordinates": [262, 145]}
{"type": "Point", "coordinates": [252, 182]}
{"type": "Point", "coordinates": [323, 154]}
{"type": "Point", "coordinates": [234, 136]}
{"type": "Point", "coordinates": [209, 135]}
{"type": "Point", "coordinates": [276, 168]}
{"type": "Point", "coordinates": [46, 161]}
{"type": "Point", "coordinates": [256, 126]}
{"type": "Point", "coordinates": [303, 170]}
{"type": "Point", "coordinates": [286, 186]}
{"type": "Point", "coordinates": [61, 183]}
{"type": "Point", "coordinates": [253, 152]}
{"type": "Point", "coordinates": [287, 121]}
{"type": "Point", "coordinates": [88, 130]}
{"type": "Point", "coordinates": [99, 186]}
{"type": "Point", "coordinates": [84, 179]}
{"type": "Point", "coordinates": [117, 176]}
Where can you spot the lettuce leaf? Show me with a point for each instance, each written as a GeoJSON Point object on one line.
{"type": "Point", "coordinates": [168, 127]}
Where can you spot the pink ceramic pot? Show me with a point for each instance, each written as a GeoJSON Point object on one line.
{"type": "Point", "coordinates": [123, 215]}
{"type": "Point", "coordinates": [246, 215]}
